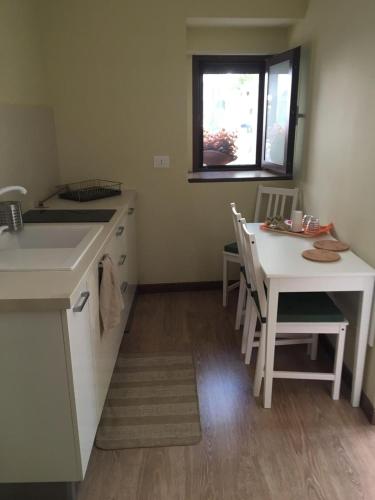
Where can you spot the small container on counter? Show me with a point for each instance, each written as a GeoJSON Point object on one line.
{"type": "Point", "coordinates": [313, 225]}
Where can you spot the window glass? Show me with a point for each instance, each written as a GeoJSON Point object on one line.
{"type": "Point", "coordinates": [277, 112]}
{"type": "Point", "coordinates": [245, 113]}
{"type": "Point", "coordinates": [230, 118]}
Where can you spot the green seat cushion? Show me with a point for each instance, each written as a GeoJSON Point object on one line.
{"type": "Point", "coordinates": [311, 307]}
{"type": "Point", "coordinates": [301, 307]}
{"type": "Point", "coordinates": [231, 247]}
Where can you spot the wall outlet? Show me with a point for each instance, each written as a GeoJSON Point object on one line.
{"type": "Point", "coordinates": [161, 161]}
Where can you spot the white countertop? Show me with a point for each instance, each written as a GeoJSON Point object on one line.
{"type": "Point", "coordinates": [51, 290]}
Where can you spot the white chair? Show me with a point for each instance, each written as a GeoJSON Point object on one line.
{"type": "Point", "coordinates": [236, 217]}
{"type": "Point", "coordinates": [230, 254]}
{"type": "Point", "coordinates": [298, 313]}
{"type": "Point", "coordinates": [278, 201]}
{"type": "Point", "coordinates": [245, 296]}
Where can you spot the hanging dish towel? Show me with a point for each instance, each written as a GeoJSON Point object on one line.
{"type": "Point", "coordinates": [111, 302]}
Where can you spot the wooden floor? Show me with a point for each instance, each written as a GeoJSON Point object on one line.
{"type": "Point", "coordinates": [306, 447]}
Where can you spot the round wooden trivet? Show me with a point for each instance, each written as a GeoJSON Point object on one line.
{"type": "Point", "coordinates": [333, 245]}
{"type": "Point", "coordinates": [321, 255]}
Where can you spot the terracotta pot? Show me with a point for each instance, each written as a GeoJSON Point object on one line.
{"type": "Point", "coordinates": [212, 157]}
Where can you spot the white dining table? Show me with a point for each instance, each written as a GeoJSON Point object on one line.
{"type": "Point", "coordinates": [285, 270]}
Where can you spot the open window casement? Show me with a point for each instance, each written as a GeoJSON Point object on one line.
{"type": "Point", "coordinates": [280, 111]}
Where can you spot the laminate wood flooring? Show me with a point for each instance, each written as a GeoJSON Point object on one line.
{"type": "Point", "coordinates": [306, 447]}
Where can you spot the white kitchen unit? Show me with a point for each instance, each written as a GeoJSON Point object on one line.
{"type": "Point", "coordinates": [55, 361]}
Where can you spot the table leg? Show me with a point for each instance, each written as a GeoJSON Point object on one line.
{"type": "Point", "coordinates": [365, 304]}
{"type": "Point", "coordinates": [273, 299]}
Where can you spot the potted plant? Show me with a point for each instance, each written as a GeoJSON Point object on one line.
{"type": "Point", "coordinates": [219, 148]}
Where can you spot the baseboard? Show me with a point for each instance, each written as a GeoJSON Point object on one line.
{"type": "Point", "coordinates": [347, 377]}
{"type": "Point", "coordinates": [39, 491]}
{"type": "Point", "coordinates": [190, 286]}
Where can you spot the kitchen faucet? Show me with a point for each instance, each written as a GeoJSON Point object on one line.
{"type": "Point", "coordinates": [8, 189]}
{"type": "Point", "coordinates": [10, 211]}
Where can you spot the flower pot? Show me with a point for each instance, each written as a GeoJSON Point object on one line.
{"type": "Point", "coordinates": [212, 157]}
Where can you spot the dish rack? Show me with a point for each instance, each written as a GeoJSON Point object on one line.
{"type": "Point", "coordinates": [93, 189]}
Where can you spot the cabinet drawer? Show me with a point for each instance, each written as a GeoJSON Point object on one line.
{"type": "Point", "coordinates": [111, 249]}
{"type": "Point", "coordinates": [122, 267]}
{"type": "Point", "coordinates": [121, 230]}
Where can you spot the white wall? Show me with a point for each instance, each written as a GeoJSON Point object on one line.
{"type": "Point", "coordinates": [118, 78]}
{"type": "Point", "coordinates": [28, 153]}
{"type": "Point", "coordinates": [337, 169]}
{"type": "Point", "coordinates": [215, 40]}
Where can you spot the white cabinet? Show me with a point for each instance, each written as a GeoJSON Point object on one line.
{"type": "Point", "coordinates": [132, 268]}
{"type": "Point", "coordinates": [36, 427]}
{"type": "Point", "coordinates": [127, 260]}
{"type": "Point", "coordinates": [55, 370]}
{"type": "Point", "coordinates": [79, 334]}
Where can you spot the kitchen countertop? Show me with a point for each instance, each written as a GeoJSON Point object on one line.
{"type": "Point", "coordinates": [52, 290]}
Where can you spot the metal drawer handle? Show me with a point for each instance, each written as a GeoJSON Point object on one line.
{"type": "Point", "coordinates": [124, 286]}
{"type": "Point", "coordinates": [120, 230]}
{"type": "Point", "coordinates": [131, 211]}
{"type": "Point", "coordinates": [122, 260]}
{"type": "Point", "coordinates": [81, 302]}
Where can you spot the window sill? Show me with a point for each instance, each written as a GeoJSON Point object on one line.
{"type": "Point", "coordinates": [237, 176]}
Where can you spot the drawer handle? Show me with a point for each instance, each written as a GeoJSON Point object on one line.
{"type": "Point", "coordinates": [124, 286]}
{"type": "Point", "coordinates": [120, 230]}
{"type": "Point", "coordinates": [122, 260]}
{"type": "Point", "coordinates": [81, 302]}
{"type": "Point", "coordinates": [131, 211]}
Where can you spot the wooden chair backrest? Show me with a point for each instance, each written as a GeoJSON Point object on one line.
{"type": "Point", "coordinates": [236, 216]}
{"type": "Point", "coordinates": [281, 201]}
{"type": "Point", "coordinates": [252, 266]}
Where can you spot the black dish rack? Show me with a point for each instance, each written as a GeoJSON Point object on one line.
{"type": "Point", "coordinates": [90, 190]}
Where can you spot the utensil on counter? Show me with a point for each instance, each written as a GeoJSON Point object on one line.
{"type": "Point", "coordinates": [11, 211]}
{"type": "Point", "coordinates": [306, 220]}
{"type": "Point", "coordinates": [313, 225]}
{"type": "Point", "coordinates": [297, 217]}
{"type": "Point", "coordinates": [11, 215]}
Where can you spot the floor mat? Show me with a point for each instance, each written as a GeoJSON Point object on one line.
{"type": "Point", "coordinates": [152, 401]}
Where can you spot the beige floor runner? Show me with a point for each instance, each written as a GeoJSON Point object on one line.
{"type": "Point", "coordinates": [152, 401]}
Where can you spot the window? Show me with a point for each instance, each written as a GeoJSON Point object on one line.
{"type": "Point", "coordinates": [244, 113]}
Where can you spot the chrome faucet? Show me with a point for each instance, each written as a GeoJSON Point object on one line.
{"type": "Point", "coordinates": [8, 189]}
{"type": "Point", "coordinates": [10, 211]}
{"type": "Point", "coordinates": [41, 203]}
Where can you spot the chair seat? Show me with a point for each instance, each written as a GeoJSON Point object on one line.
{"type": "Point", "coordinates": [311, 307]}
{"type": "Point", "coordinates": [231, 247]}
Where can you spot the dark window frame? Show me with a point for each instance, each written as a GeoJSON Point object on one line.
{"type": "Point", "coordinates": [293, 56]}
{"type": "Point", "coordinates": [241, 64]}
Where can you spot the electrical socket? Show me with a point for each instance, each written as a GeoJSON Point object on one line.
{"type": "Point", "coordinates": [161, 161]}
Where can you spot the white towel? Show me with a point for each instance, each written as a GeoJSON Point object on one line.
{"type": "Point", "coordinates": [111, 301]}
